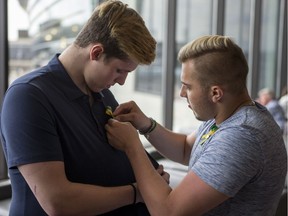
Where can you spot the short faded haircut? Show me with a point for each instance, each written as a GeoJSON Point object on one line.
{"type": "Point", "coordinates": [218, 60]}
{"type": "Point", "coordinates": [121, 31]}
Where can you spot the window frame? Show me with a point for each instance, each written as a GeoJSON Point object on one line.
{"type": "Point", "coordinates": [169, 49]}
{"type": "Point", "coordinates": [5, 187]}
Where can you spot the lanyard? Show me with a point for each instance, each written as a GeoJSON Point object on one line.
{"type": "Point", "coordinates": [210, 133]}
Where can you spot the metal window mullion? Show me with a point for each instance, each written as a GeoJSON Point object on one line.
{"type": "Point", "coordinates": [3, 70]}
{"type": "Point", "coordinates": [218, 16]}
{"type": "Point", "coordinates": [281, 72]}
{"type": "Point", "coordinates": [254, 47]}
{"type": "Point", "coordinates": [168, 59]}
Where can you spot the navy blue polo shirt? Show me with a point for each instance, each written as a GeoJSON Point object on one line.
{"type": "Point", "coordinates": [45, 117]}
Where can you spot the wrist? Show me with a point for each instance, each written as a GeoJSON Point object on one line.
{"type": "Point", "coordinates": [134, 193]}
{"type": "Point", "coordinates": [138, 197]}
{"type": "Point", "coordinates": [146, 124]}
{"type": "Point", "coordinates": [146, 132]}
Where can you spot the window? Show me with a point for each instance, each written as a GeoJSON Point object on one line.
{"type": "Point", "coordinates": [5, 188]}
{"type": "Point", "coordinates": [148, 79]}
{"type": "Point", "coordinates": [144, 85]}
{"type": "Point", "coordinates": [42, 28]}
{"type": "Point", "coordinates": [194, 19]}
{"type": "Point", "coordinates": [237, 22]}
{"type": "Point", "coordinates": [268, 45]}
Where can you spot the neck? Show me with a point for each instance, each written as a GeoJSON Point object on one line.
{"type": "Point", "coordinates": [248, 102]}
{"type": "Point", "coordinates": [73, 64]}
{"type": "Point", "coordinates": [231, 107]}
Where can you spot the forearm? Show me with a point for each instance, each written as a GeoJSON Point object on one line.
{"type": "Point", "coordinates": [59, 196]}
{"type": "Point", "coordinates": [83, 199]}
{"type": "Point", "coordinates": [154, 189]}
{"type": "Point", "coordinates": [171, 145]}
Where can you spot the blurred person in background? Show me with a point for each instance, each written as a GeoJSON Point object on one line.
{"type": "Point", "coordinates": [237, 158]}
{"type": "Point", "coordinates": [52, 123]}
{"type": "Point", "coordinates": [267, 98]}
{"type": "Point", "coordinates": [283, 101]}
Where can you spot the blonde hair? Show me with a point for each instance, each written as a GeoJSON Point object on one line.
{"type": "Point", "coordinates": [122, 32]}
{"type": "Point", "coordinates": [218, 61]}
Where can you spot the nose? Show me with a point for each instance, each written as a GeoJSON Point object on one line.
{"type": "Point", "coordinates": [121, 79]}
{"type": "Point", "coordinates": [182, 91]}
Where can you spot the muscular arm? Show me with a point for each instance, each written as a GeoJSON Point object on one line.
{"type": "Point", "coordinates": [176, 147]}
{"type": "Point", "coordinates": [58, 196]}
{"type": "Point", "coordinates": [192, 197]}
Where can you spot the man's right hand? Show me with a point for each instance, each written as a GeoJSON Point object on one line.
{"type": "Point", "coordinates": [130, 112]}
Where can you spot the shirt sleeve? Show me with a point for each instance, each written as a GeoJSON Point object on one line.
{"type": "Point", "coordinates": [28, 127]}
{"type": "Point", "coordinates": [229, 160]}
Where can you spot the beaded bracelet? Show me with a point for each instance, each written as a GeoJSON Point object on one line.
{"type": "Point", "coordinates": [150, 129]}
{"type": "Point", "coordinates": [135, 193]}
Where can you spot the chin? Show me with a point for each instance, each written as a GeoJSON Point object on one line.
{"type": "Point", "coordinates": [198, 117]}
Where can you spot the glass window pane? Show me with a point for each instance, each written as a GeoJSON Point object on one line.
{"type": "Point", "coordinates": [268, 44]}
{"type": "Point", "coordinates": [237, 22]}
{"type": "Point", "coordinates": [194, 18]}
{"type": "Point", "coordinates": [45, 29]}
{"type": "Point", "coordinates": [144, 85]}
{"type": "Point", "coordinates": [148, 79]}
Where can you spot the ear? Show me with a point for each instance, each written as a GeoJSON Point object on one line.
{"type": "Point", "coordinates": [217, 93]}
{"type": "Point", "coordinates": [96, 52]}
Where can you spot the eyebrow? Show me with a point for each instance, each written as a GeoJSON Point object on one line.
{"type": "Point", "coordinates": [186, 84]}
{"type": "Point", "coordinates": [124, 70]}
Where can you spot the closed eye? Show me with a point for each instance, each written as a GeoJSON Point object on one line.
{"type": "Point", "coordinates": [121, 71]}
{"type": "Point", "coordinates": [185, 86]}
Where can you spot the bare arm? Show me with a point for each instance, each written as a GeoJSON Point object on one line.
{"type": "Point", "coordinates": [175, 146]}
{"type": "Point", "coordinates": [192, 197]}
{"type": "Point", "coordinates": [58, 196]}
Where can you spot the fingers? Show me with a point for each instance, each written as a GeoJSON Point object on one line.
{"type": "Point", "coordinates": [109, 124]}
{"type": "Point", "coordinates": [112, 121]}
{"type": "Point", "coordinates": [124, 108]}
{"type": "Point", "coordinates": [128, 112]}
{"type": "Point", "coordinates": [113, 125]}
{"type": "Point", "coordinates": [165, 175]}
{"type": "Point", "coordinates": [127, 117]}
{"type": "Point", "coordinates": [160, 169]}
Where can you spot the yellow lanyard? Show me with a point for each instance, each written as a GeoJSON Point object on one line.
{"type": "Point", "coordinates": [210, 133]}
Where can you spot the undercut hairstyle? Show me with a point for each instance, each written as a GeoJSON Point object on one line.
{"type": "Point", "coordinates": [218, 61]}
{"type": "Point", "coordinates": [121, 31]}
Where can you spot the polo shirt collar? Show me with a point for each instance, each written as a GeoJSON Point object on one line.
{"type": "Point", "coordinates": [65, 83]}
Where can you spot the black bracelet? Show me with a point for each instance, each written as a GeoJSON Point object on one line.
{"type": "Point", "coordinates": [150, 129]}
{"type": "Point", "coordinates": [135, 193]}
